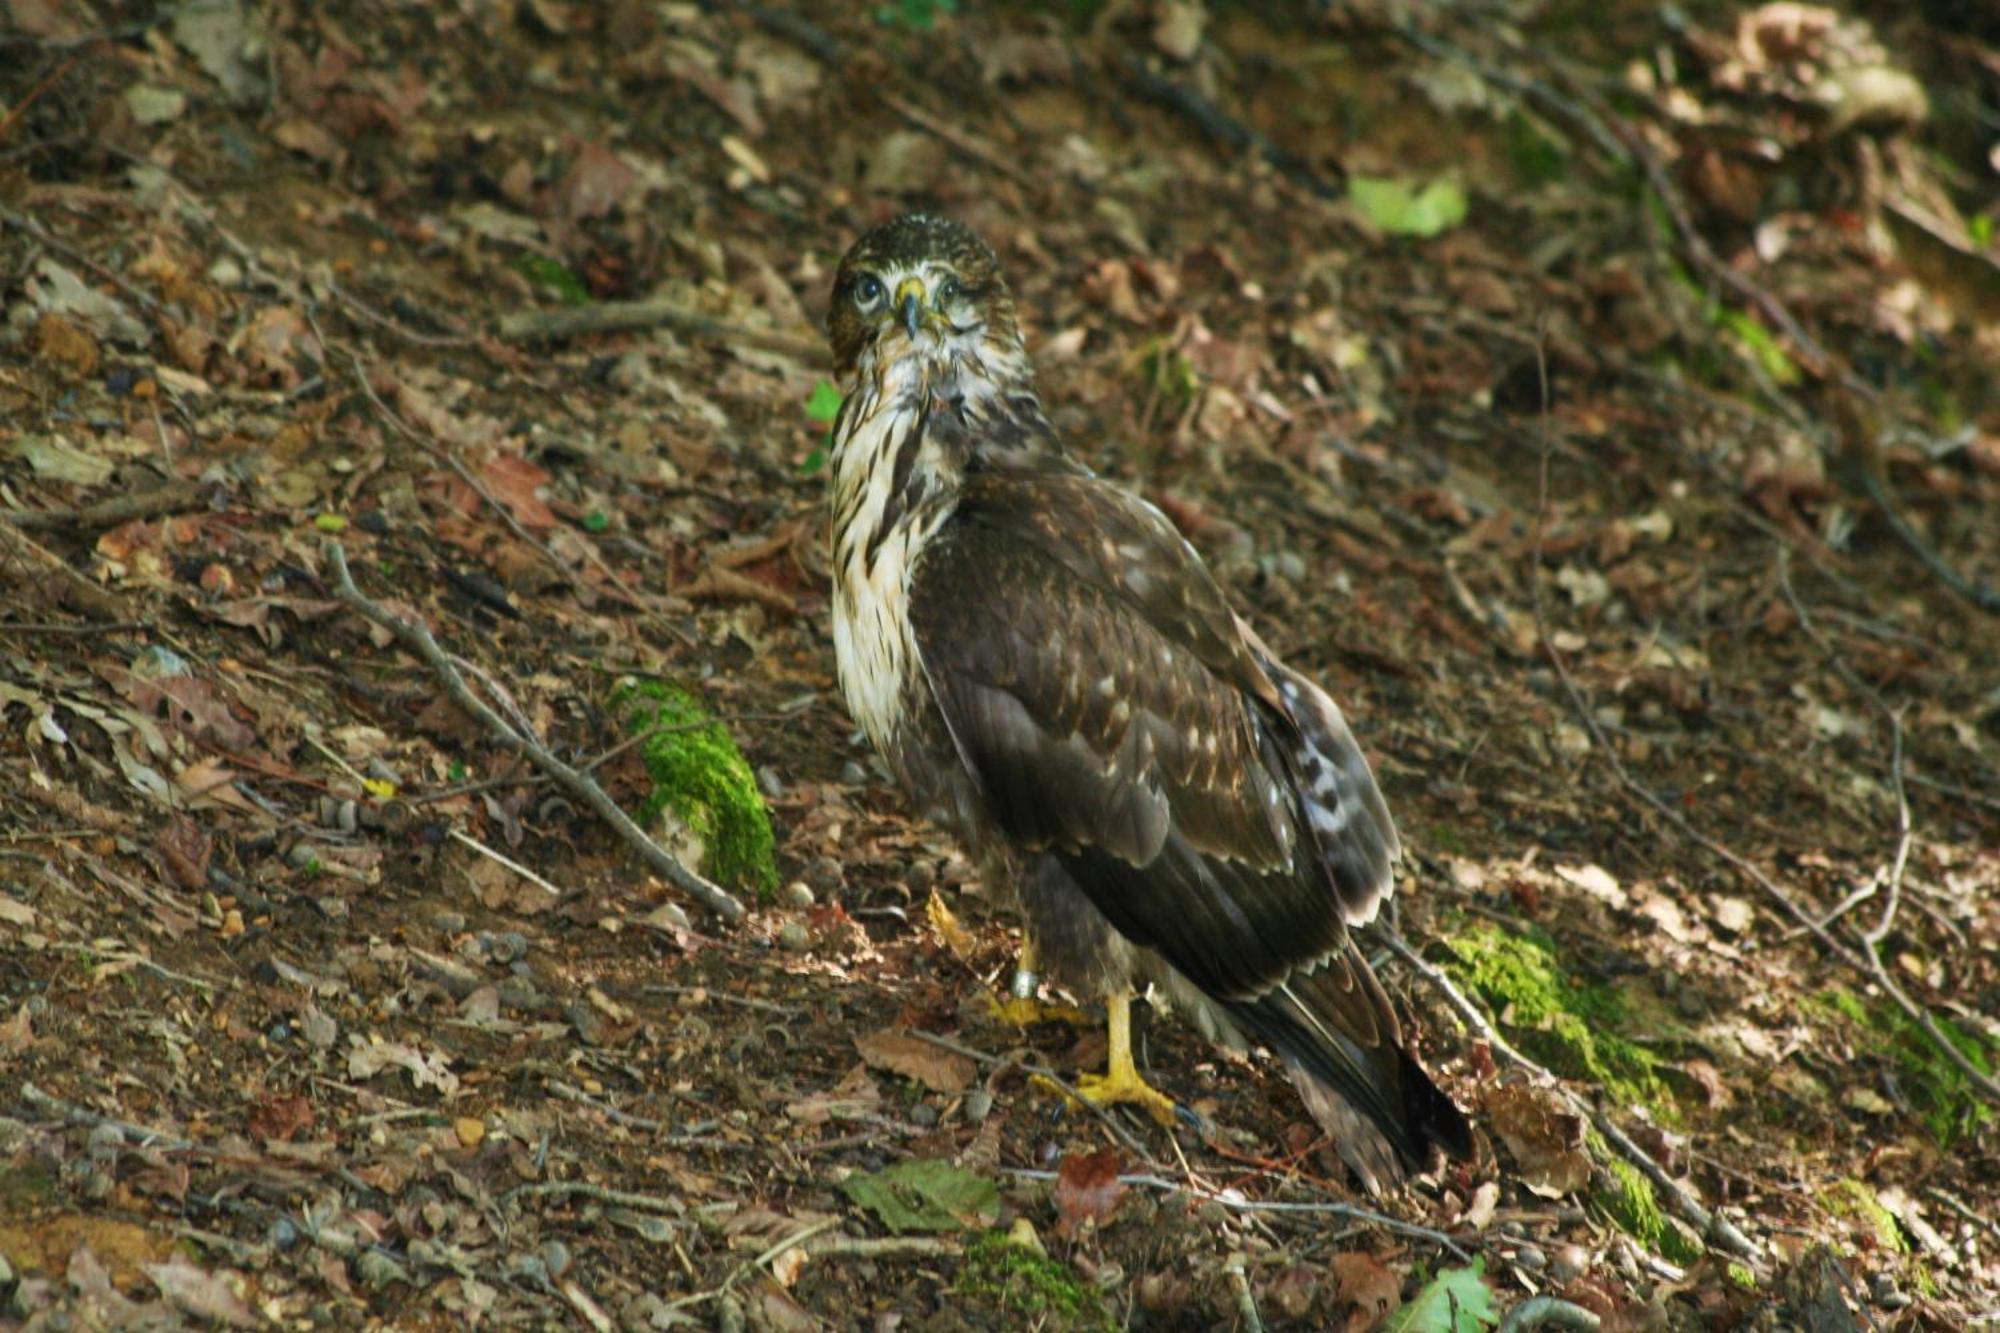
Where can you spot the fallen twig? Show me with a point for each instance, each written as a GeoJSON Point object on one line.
{"type": "Point", "coordinates": [1226, 131]}
{"type": "Point", "coordinates": [576, 321]}
{"type": "Point", "coordinates": [417, 637]}
{"type": "Point", "coordinates": [1713, 1227]}
{"type": "Point", "coordinates": [1246, 1300]}
{"type": "Point", "coordinates": [564, 1189]}
{"type": "Point", "coordinates": [524, 872]}
{"type": "Point", "coordinates": [99, 603]}
{"type": "Point", "coordinates": [84, 1117]}
{"type": "Point", "coordinates": [955, 138]}
{"type": "Point", "coordinates": [1352, 1212]}
{"type": "Point", "coordinates": [168, 499]}
{"type": "Point", "coordinates": [881, 1247]}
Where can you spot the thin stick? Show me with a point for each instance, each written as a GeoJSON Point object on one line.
{"type": "Point", "coordinates": [563, 1189]}
{"type": "Point", "coordinates": [417, 637]}
{"type": "Point", "coordinates": [1246, 1300]}
{"type": "Point", "coordinates": [84, 1117]}
{"type": "Point", "coordinates": [954, 138]}
{"type": "Point", "coordinates": [98, 603]}
{"type": "Point", "coordinates": [881, 1247]}
{"type": "Point", "coordinates": [507, 861]}
{"type": "Point", "coordinates": [168, 499]}
{"type": "Point", "coordinates": [566, 322]}
{"type": "Point", "coordinates": [1353, 1212]}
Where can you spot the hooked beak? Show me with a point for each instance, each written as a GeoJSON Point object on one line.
{"type": "Point", "coordinates": [910, 305]}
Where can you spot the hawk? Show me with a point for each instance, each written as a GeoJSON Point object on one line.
{"type": "Point", "coordinates": [1056, 678]}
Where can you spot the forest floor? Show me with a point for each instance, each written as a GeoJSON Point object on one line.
{"type": "Point", "coordinates": [1560, 392]}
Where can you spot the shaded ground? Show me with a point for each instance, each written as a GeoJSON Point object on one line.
{"type": "Point", "coordinates": [1682, 735]}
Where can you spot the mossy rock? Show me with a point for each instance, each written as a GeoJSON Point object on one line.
{"type": "Point", "coordinates": [701, 778]}
{"type": "Point", "coordinates": [1003, 1273]}
{"type": "Point", "coordinates": [1565, 1025]}
{"type": "Point", "coordinates": [1949, 1103]}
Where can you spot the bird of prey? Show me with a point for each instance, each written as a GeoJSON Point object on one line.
{"type": "Point", "coordinates": [1055, 677]}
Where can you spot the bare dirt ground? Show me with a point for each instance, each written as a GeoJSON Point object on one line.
{"type": "Point", "coordinates": [1537, 381]}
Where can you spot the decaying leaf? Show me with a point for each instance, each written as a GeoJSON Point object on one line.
{"type": "Point", "coordinates": [914, 1058]}
{"type": "Point", "coordinates": [926, 1195]}
{"type": "Point", "coordinates": [1545, 1140]}
{"type": "Point", "coordinates": [1088, 1190]}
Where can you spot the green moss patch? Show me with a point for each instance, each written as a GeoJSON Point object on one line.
{"type": "Point", "coordinates": [1563, 1024]}
{"type": "Point", "coordinates": [701, 776]}
{"type": "Point", "coordinates": [1854, 1201]}
{"type": "Point", "coordinates": [1632, 1204]}
{"type": "Point", "coordinates": [1026, 1283]}
{"type": "Point", "coordinates": [1942, 1095]}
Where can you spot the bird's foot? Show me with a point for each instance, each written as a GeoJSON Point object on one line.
{"type": "Point", "coordinates": [1023, 1008]}
{"type": "Point", "coordinates": [1127, 1087]}
{"type": "Point", "coordinates": [1024, 1011]}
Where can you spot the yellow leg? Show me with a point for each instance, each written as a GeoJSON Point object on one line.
{"type": "Point", "coordinates": [1120, 1081]}
{"type": "Point", "coordinates": [1021, 1007]}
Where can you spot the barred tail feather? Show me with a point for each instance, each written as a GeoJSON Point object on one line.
{"type": "Point", "coordinates": [1371, 1095]}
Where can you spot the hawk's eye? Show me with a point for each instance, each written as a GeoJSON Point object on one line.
{"type": "Point", "coordinates": [949, 291]}
{"type": "Point", "coordinates": [867, 291]}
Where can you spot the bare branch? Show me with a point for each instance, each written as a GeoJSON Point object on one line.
{"type": "Point", "coordinates": [417, 638]}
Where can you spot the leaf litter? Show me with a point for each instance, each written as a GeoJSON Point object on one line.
{"type": "Point", "coordinates": [297, 1047]}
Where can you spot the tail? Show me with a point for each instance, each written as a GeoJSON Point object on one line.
{"type": "Point", "coordinates": [1333, 1027]}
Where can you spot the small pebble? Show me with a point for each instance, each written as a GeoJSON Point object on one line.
{"type": "Point", "coordinates": [471, 1131]}
{"type": "Point", "coordinates": [283, 1234]}
{"type": "Point", "coordinates": [1570, 1263]}
{"type": "Point", "coordinates": [1531, 1258]}
{"type": "Point", "coordinates": [1289, 566]}
{"type": "Point", "coordinates": [6, 1272]}
{"type": "Point", "coordinates": [853, 774]}
{"type": "Point", "coordinates": [770, 783]}
{"type": "Point", "coordinates": [97, 1186]}
{"type": "Point", "coordinates": [226, 272]}
{"type": "Point", "coordinates": [920, 877]}
{"type": "Point", "coordinates": [825, 875]}
{"type": "Point", "coordinates": [556, 1257]}
{"type": "Point", "coordinates": [449, 922]}
{"type": "Point", "coordinates": [798, 893]}
{"type": "Point", "coordinates": [978, 1104]}
{"type": "Point", "coordinates": [923, 1115]}
{"type": "Point", "coordinates": [645, 1312]}
{"type": "Point", "coordinates": [1882, 1287]}
{"type": "Point", "coordinates": [794, 937]}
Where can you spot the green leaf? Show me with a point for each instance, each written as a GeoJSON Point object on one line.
{"type": "Point", "coordinates": [1455, 1301]}
{"type": "Point", "coordinates": [1755, 337]}
{"type": "Point", "coordinates": [1401, 209]}
{"type": "Point", "coordinates": [550, 273]}
{"type": "Point", "coordinates": [926, 1195]}
{"type": "Point", "coordinates": [823, 403]}
{"type": "Point", "coordinates": [596, 521]}
{"type": "Point", "coordinates": [817, 458]}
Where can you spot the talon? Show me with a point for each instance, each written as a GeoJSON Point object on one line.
{"type": "Point", "coordinates": [1121, 1081]}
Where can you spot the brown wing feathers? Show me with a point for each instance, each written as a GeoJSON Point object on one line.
{"type": "Point", "coordinates": [1211, 803]}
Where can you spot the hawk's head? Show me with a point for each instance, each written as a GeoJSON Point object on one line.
{"type": "Point", "coordinates": [924, 286]}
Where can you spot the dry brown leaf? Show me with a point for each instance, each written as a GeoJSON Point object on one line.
{"type": "Point", "coordinates": [1368, 1284]}
{"type": "Point", "coordinates": [1088, 1191]}
{"type": "Point", "coordinates": [1545, 1140]}
{"type": "Point", "coordinates": [855, 1095]}
{"type": "Point", "coordinates": [914, 1058]}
